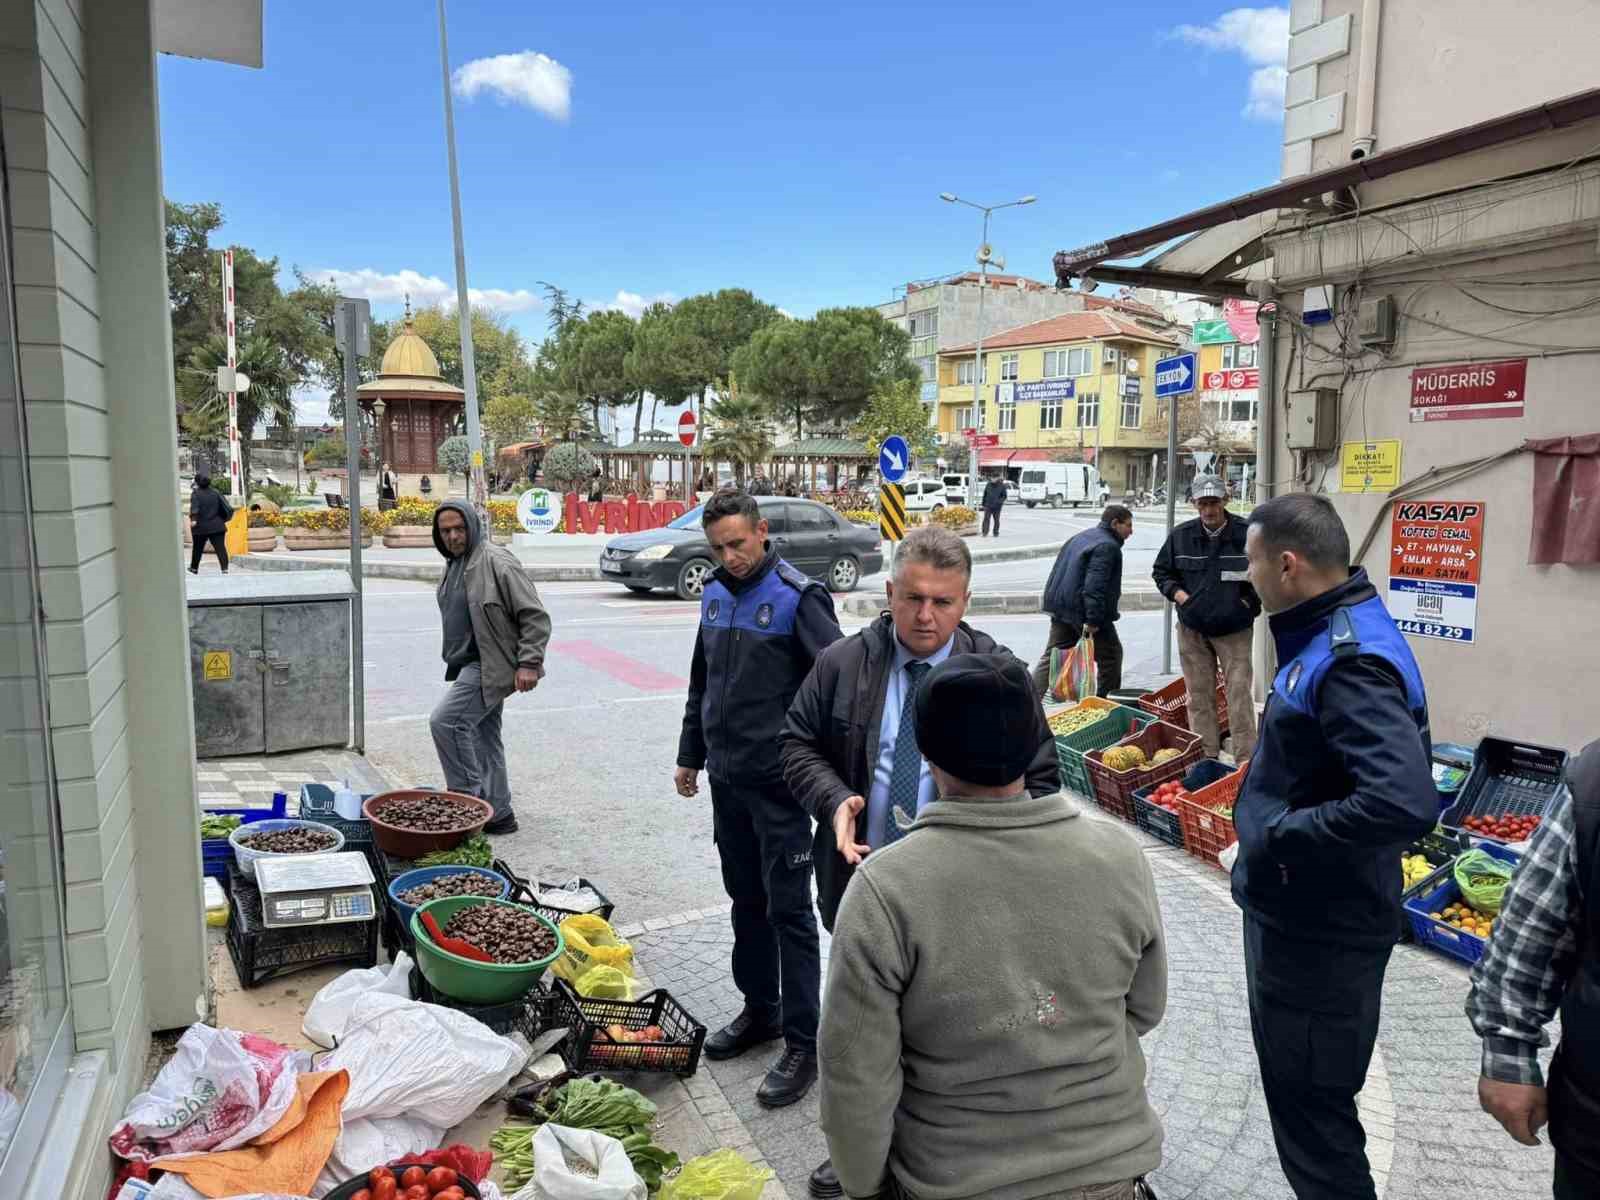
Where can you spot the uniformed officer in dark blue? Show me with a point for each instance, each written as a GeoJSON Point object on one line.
{"type": "Point", "coordinates": [1340, 783]}
{"type": "Point", "coordinates": [762, 625]}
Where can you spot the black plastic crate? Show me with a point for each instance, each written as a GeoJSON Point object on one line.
{"type": "Point", "coordinates": [1155, 820]}
{"type": "Point", "coordinates": [522, 893]}
{"type": "Point", "coordinates": [530, 1015]}
{"type": "Point", "coordinates": [260, 954]}
{"type": "Point", "coordinates": [1508, 779]}
{"type": "Point", "coordinates": [590, 1048]}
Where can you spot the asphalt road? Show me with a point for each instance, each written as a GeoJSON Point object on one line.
{"type": "Point", "coordinates": [591, 751]}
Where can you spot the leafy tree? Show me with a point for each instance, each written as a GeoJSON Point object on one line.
{"type": "Point", "coordinates": [569, 467]}
{"type": "Point", "coordinates": [454, 456]}
{"type": "Point", "coordinates": [715, 325]}
{"type": "Point", "coordinates": [499, 354]}
{"type": "Point", "coordinates": [561, 306]}
{"type": "Point", "coordinates": [855, 351]}
{"type": "Point", "coordinates": [206, 427]}
{"type": "Point", "coordinates": [776, 366]}
{"type": "Point", "coordinates": [738, 432]}
{"type": "Point", "coordinates": [658, 361]}
{"type": "Point", "coordinates": [271, 380]}
{"type": "Point", "coordinates": [896, 407]}
{"type": "Point", "coordinates": [602, 362]}
{"type": "Point", "coordinates": [509, 419]}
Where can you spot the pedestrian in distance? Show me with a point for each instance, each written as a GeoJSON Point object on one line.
{"type": "Point", "coordinates": [990, 976]}
{"type": "Point", "coordinates": [495, 633]}
{"type": "Point", "coordinates": [1341, 782]}
{"type": "Point", "coordinates": [994, 500]}
{"type": "Point", "coordinates": [762, 625]}
{"type": "Point", "coordinates": [848, 751]}
{"type": "Point", "coordinates": [209, 515]}
{"type": "Point", "coordinates": [1082, 597]}
{"type": "Point", "coordinates": [1544, 957]}
{"type": "Point", "coordinates": [386, 487]}
{"type": "Point", "coordinates": [1204, 571]}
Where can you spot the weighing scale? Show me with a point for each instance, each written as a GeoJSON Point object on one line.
{"type": "Point", "coordinates": [315, 889]}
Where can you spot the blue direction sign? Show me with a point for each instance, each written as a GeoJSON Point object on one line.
{"type": "Point", "coordinates": [1175, 375]}
{"type": "Point", "coordinates": [894, 458]}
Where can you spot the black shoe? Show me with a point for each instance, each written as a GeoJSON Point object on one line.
{"type": "Point", "coordinates": [789, 1078]}
{"type": "Point", "coordinates": [740, 1034]}
{"type": "Point", "coordinates": [505, 824]}
{"type": "Point", "coordinates": [824, 1183]}
{"type": "Point", "coordinates": [194, 570]}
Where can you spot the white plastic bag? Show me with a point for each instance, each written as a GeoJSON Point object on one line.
{"type": "Point", "coordinates": [554, 1180]}
{"type": "Point", "coordinates": [329, 1011]}
{"type": "Point", "coordinates": [367, 1141]}
{"type": "Point", "coordinates": [1229, 855]}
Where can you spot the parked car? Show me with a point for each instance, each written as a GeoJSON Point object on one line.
{"type": "Point", "coordinates": [925, 495]}
{"type": "Point", "coordinates": [811, 537]}
{"type": "Point", "coordinates": [956, 491]}
{"type": "Point", "coordinates": [1013, 492]}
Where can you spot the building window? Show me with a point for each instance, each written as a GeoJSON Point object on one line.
{"type": "Point", "coordinates": [924, 323]}
{"type": "Point", "coordinates": [1050, 413]}
{"type": "Point", "coordinates": [1238, 355]}
{"type": "Point", "coordinates": [1064, 364]}
{"type": "Point", "coordinates": [964, 418]}
{"type": "Point", "coordinates": [923, 347]}
{"type": "Point", "coordinates": [1008, 368]}
{"type": "Point", "coordinates": [1132, 410]}
{"type": "Point", "coordinates": [1008, 409]}
{"type": "Point", "coordinates": [927, 366]}
{"type": "Point", "coordinates": [1088, 411]}
{"type": "Point", "coordinates": [1244, 408]}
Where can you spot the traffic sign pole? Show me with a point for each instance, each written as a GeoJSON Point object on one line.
{"type": "Point", "coordinates": [1175, 377]}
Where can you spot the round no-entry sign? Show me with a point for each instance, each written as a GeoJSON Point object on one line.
{"type": "Point", "coordinates": [686, 429]}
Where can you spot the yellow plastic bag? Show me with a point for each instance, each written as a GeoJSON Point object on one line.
{"type": "Point", "coordinates": [722, 1175]}
{"type": "Point", "coordinates": [591, 943]}
{"type": "Point", "coordinates": [604, 983]}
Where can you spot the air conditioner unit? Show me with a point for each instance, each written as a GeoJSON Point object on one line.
{"type": "Point", "coordinates": [1110, 356]}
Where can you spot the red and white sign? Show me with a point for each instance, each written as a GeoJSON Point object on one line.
{"type": "Point", "coordinates": [686, 430]}
{"type": "Point", "coordinates": [1239, 380]}
{"type": "Point", "coordinates": [1469, 391]}
{"type": "Point", "coordinates": [980, 441]}
{"type": "Point", "coordinates": [1437, 539]}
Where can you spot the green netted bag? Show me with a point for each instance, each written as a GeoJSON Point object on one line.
{"type": "Point", "coordinates": [721, 1175]}
{"type": "Point", "coordinates": [1482, 879]}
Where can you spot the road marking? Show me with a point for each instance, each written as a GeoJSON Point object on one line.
{"type": "Point", "coordinates": [524, 715]}
{"type": "Point", "coordinates": [620, 667]}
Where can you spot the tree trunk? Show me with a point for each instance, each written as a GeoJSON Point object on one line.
{"type": "Point", "coordinates": [638, 416]}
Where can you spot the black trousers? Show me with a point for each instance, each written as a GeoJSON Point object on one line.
{"type": "Point", "coordinates": [219, 546]}
{"type": "Point", "coordinates": [1573, 1180]}
{"type": "Point", "coordinates": [1314, 1013]}
{"type": "Point", "coordinates": [764, 841]}
{"type": "Point", "coordinates": [1107, 655]}
{"type": "Point", "coordinates": [988, 515]}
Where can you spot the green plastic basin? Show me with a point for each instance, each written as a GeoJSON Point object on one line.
{"type": "Point", "coordinates": [469, 980]}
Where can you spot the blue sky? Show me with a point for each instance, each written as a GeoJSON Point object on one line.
{"type": "Point", "coordinates": [629, 152]}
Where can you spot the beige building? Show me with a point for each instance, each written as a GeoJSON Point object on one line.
{"type": "Point", "coordinates": [1432, 253]}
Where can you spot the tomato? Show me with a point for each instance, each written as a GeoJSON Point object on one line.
{"type": "Point", "coordinates": [440, 1178]}
{"type": "Point", "coordinates": [378, 1173]}
{"type": "Point", "coordinates": [417, 1191]}
{"type": "Point", "coordinates": [363, 1194]}
{"type": "Point", "coordinates": [413, 1176]}
{"type": "Point", "coordinates": [450, 1193]}
{"type": "Point", "coordinates": [384, 1188]}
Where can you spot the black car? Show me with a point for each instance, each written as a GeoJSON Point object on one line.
{"type": "Point", "coordinates": [811, 537]}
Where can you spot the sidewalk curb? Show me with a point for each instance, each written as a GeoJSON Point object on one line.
{"type": "Point", "coordinates": [416, 572]}
{"type": "Point", "coordinates": [1006, 602]}
{"type": "Point", "coordinates": [1016, 553]}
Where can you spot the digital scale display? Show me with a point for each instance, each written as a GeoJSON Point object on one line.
{"type": "Point", "coordinates": [317, 889]}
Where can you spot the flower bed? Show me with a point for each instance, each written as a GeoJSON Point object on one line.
{"type": "Point", "coordinates": [957, 518]}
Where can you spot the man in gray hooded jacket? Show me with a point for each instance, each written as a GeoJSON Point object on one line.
{"type": "Point", "coordinates": [495, 633]}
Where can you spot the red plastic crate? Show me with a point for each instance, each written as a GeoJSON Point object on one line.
{"type": "Point", "coordinates": [1113, 790]}
{"type": "Point", "coordinates": [1206, 832]}
{"type": "Point", "coordinates": [1171, 704]}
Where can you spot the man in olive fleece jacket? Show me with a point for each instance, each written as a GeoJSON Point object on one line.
{"type": "Point", "coordinates": [991, 974]}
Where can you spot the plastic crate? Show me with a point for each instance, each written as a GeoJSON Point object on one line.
{"type": "Point", "coordinates": [397, 933]}
{"type": "Point", "coordinates": [260, 953]}
{"type": "Point", "coordinates": [1452, 763]}
{"type": "Point", "coordinates": [1171, 704]}
{"type": "Point", "coordinates": [217, 853]}
{"type": "Point", "coordinates": [1119, 722]}
{"type": "Point", "coordinates": [590, 1048]}
{"type": "Point", "coordinates": [1206, 831]}
{"type": "Point", "coordinates": [1113, 790]}
{"type": "Point", "coordinates": [1443, 892]}
{"type": "Point", "coordinates": [522, 893]}
{"type": "Point", "coordinates": [1155, 820]}
{"type": "Point", "coordinates": [530, 1016]}
{"type": "Point", "coordinates": [1508, 779]}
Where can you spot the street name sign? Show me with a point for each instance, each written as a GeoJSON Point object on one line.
{"type": "Point", "coordinates": [1175, 376]}
{"type": "Point", "coordinates": [1469, 391]}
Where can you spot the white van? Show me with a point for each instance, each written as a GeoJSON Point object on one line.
{"type": "Point", "coordinates": [955, 488]}
{"type": "Point", "coordinates": [1056, 484]}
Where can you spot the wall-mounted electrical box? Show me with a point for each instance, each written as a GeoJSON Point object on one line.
{"type": "Point", "coordinates": [1375, 322]}
{"type": "Point", "coordinates": [1312, 421]}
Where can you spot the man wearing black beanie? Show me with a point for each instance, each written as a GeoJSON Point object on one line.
{"type": "Point", "coordinates": [1004, 955]}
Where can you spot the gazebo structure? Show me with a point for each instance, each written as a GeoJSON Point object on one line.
{"type": "Point", "coordinates": [413, 409]}
{"type": "Point", "coordinates": [829, 450]}
{"type": "Point", "coordinates": [653, 445]}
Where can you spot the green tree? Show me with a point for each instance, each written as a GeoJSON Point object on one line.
{"type": "Point", "coordinates": [602, 363]}
{"type": "Point", "coordinates": [737, 431]}
{"type": "Point", "coordinates": [896, 407]}
{"type": "Point", "coordinates": [509, 419]}
{"type": "Point", "coordinates": [854, 352]}
{"type": "Point", "coordinates": [568, 467]}
{"type": "Point", "coordinates": [560, 305]}
{"type": "Point", "coordinates": [271, 382]}
{"type": "Point", "coordinates": [659, 362]}
{"type": "Point", "coordinates": [715, 326]}
{"type": "Point", "coordinates": [454, 456]}
{"type": "Point", "coordinates": [776, 366]}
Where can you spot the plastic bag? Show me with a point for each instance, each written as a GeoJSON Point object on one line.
{"type": "Point", "coordinates": [553, 1179]}
{"type": "Point", "coordinates": [722, 1175]}
{"type": "Point", "coordinates": [1482, 879]}
{"type": "Point", "coordinates": [216, 902]}
{"type": "Point", "coordinates": [604, 983]}
{"type": "Point", "coordinates": [590, 943]}
{"type": "Point", "coordinates": [219, 1090]}
{"type": "Point", "coordinates": [1073, 672]}
{"type": "Point", "coordinates": [368, 1141]}
{"type": "Point", "coordinates": [329, 1011]}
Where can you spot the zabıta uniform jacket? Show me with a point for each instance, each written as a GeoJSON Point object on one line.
{"type": "Point", "coordinates": [1214, 571]}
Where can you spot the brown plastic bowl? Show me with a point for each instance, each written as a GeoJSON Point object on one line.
{"type": "Point", "coordinates": [414, 843]}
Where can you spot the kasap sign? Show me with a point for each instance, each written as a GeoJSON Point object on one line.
{"type": "Point", "coordinates": [537, 511]}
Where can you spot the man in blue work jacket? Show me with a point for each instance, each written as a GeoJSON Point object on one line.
{"type": "Point", "coordinates": [762, 625]}
{"type": "Point", "coordinates": [1340, 783]}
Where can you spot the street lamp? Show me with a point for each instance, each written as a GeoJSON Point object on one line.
{"type": "Point", "coordinates": [985, 255]}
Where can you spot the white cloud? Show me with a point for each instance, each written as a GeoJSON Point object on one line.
{"type": "Point", "coordinates": [631, 303]}
{"type": "Point", "coordinates": [1261, 37]}
{"type": "Point", "coordinates": [529, 78]}
{"type": "Point", "coordinates": [784, 312]}
{"type": "Point", "coordinates": [426, 291]}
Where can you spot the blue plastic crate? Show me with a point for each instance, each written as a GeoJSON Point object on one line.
{"type": "Point", "coordinates": [217, 853]}
{"type": "Point", "coordinates": [1438, 892]}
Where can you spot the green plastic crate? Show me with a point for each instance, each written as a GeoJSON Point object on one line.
{"type": "Point", "coordinates": [1108, 731]}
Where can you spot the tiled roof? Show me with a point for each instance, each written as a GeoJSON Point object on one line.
{"type": "Point", "coordinates": [823, 447]}
{"type": "Point", "coordinates": [1069, 327]}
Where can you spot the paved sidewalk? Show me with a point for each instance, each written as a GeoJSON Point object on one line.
{"type": "Point", "coordinates": [249, 781]}
{"type": "Point", "coordinates": [1427, 1138]}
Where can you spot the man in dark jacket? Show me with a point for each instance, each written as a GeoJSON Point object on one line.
{"type": "Point", "coordinates": [994, 500]}
{"type": "Point", "coordinates": [762, 625]}
{"type": "Point", "coordinates": [848, 748]}
{"type": "Point", "coordinates": [1545, 957]}
{"type": "Point", "coordinates": [1082, 594]}
{"type": "Point", "coordinates": [1203, 570]}
{"type": "Point", "coordinates": [208, 522]}
{"type": "Point", "coordinates": [1340, 783]}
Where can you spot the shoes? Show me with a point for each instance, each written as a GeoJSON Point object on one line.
{"type": "Point", "coordinates": [505, 824]}
{"type": "Point", "coordinates": [824, 1183]}
{"type": "Point", "coordinates": [739, 1035]}
{"type": "Point", "coordinates": [194, 570]}
{"type": "Point", "coordinates": [789, 1078]}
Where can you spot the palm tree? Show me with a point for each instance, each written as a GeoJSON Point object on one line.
{"type": "Point", "coordinates": [204, 427]}
{"type": "Point", "coordinates": [738, 432]}
{"type": "Point", "coordinates": [271, 382]}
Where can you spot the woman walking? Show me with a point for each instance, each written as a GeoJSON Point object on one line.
{"type": "Point", "coordinates": [386, 488]}
{"type": "Point", "coordinates": [208, 521]}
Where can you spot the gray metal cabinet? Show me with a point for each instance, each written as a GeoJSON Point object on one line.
{"type": "Point", "coordinates": [269, 660]}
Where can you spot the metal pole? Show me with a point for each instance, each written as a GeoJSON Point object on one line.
{"type": "Point", "coordinates": [1264, 657]}
{"type": "Point", "coordinates": [977, 368]}
{"type": "Point", "coordinates": [476, 491]}
{"type": "Point", "coordinates": [1172, 516]}
{"type": "Point", "coordinates": [352, 453]}
{"type": "Point", "coordinates": [235, 457]}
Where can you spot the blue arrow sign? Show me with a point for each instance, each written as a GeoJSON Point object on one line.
{"type": "Point", "coordinates": [1175, 375]}
{"type": "Point", "coordinates": [894, 458]}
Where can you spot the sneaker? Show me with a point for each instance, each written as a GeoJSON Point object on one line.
{"type": "Point", "coordinates": [740, 1034]}
{"type": "Point", "coordinates": [505, 824]}
{"type": "Point", "coordinates": [789, 1078]}
{"type": "Point", "coordinates": [824, 1184]}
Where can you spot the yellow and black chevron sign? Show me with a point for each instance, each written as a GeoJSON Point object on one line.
{"type": "Point", "coordinates": [892, 511]}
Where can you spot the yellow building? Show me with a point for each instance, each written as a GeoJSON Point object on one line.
{"type": "Point", "coordinates": [1081, 383]}
{"type": "Point", "coordinates": [1226, 402]}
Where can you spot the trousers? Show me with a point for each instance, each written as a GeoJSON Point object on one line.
{"type": "Point", "coordinates": [1573, 1181]}
{"type": "Point", "coordinates": [219, 547]}
{"type": "Point", "coordinates": [1126, 1189]}
{"type": "Point", "coordinates": [1314, 1014]}
{"type": "Point", "coordinates": [988, 514]}
{"type": "Point", "coordinates": [466, 735]}
{"type": "Point", "coordinates": [1107, 655]}
{"type": "Point", "coordinates": [1201, 658]}
{"type": "Point", "coordinates": [763, 840]}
